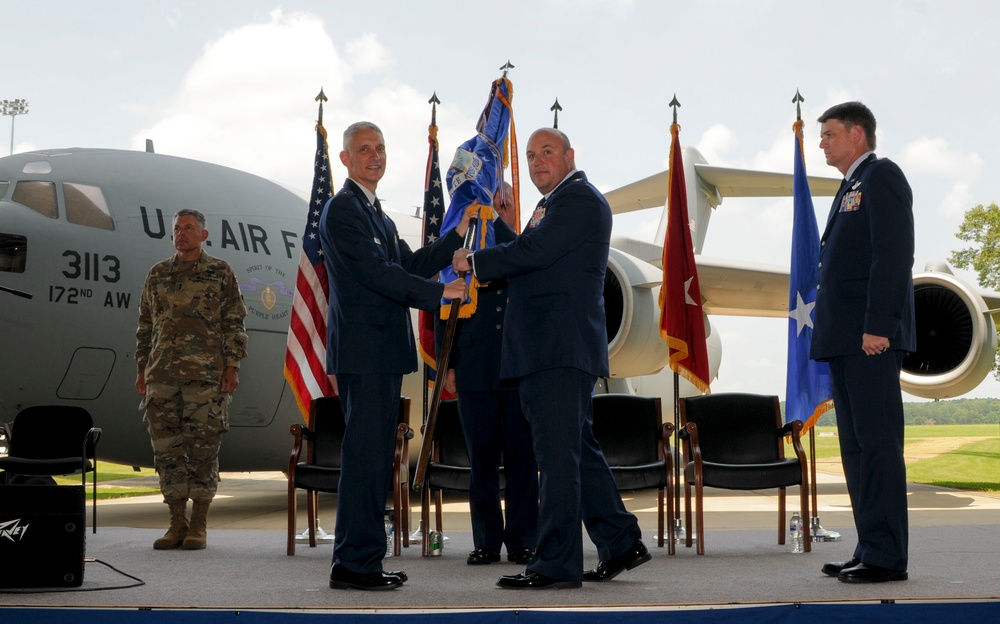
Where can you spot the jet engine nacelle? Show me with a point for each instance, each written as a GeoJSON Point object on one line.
{"type": "Point", "coordinates": [631, 304]}
{"type": "Point", "coordinates": [956, 337]}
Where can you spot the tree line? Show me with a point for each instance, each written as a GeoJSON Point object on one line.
{"type": "Point", "coordinates": [950, 412]}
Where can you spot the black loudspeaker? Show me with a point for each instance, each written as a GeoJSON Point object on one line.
{"type": "Point", "coordinates": [42, 535]}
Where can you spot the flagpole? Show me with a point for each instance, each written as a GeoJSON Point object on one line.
{"type": "Point", "coordinates": [434, 101]}
{"type": "Point", "coordinates": [433, 213]}
{"type": "Point", "coordinates": [816, 530]}
{"type": "Point", "coordinates": [678, 525]}
{"type": "Point", "coordinates": [492, 130]}
{"type": "Point", "coordinates": [678, 528]}
{"type": "Point", "coordinates": [327, 385]}
{"type": "Point", "coordinates": [682, 323]}
{"type": "Point", "coordinates": [424, 458]}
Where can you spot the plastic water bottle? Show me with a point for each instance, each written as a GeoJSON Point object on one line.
{"type": "Point", "coordinates": [388, 533]}
{"type": "Point", "coordinates": [795, 532]}
{"type": "Point", "coordinates": [436, 544]}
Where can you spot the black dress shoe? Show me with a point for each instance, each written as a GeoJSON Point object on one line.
{"type": "Point", "coordinates": [866, 573]}
{"type": "Point", "coordinates": [397, 573]}
{"type": "Point", "coordinates": [529, 579]}
{"type": "Point", "coordinates": [342, 578]}
{"type": "Point", "coordinates": [483, 556]}
{"type": "Point", "coordinates": [636, 555]}
{"type": "Point", "coordinates": [520, 555]}
{"type": "Point", "coordinates": [834, 568]}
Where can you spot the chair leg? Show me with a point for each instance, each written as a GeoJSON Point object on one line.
{"type": "Point", "coordinates": [659, 518]}
{"type": "Point", "coordinates": [438, 513]}
{"type": "Point", "coordinates": [404, 486]}
{"type": "Point", "coordinates": [687, 515]}
{"type": "Point", "coordinates": [671, 548]}
{"type": "Point", "coordinates": [292, 502]}
{"type": "Point", "coordinates": [312, 498]}
{"type": "Point", "coordinates": [397, 511]}
{"type": "Point", "coordinates": [397, 523]}
{"type": "Point", "coordinates": [699, 494]}
{"type": "Point", "coordinates": [405, 518]}
{"type": "Point", "coordinates": [397, 489]}
{"type": "Point", "coordinates": [397, 528]}
{"type": "Point", "coordinates": [807, 520]}
{"type": "Point", "coordinates": [425, 520]}
{"type": "Point", "coordinates": [93, 480]}
{"type": "Point", "coordinates": [781, 516]}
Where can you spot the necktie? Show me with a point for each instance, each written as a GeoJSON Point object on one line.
{"type": "Point", "coordinates": [840, 193]}
{"type": "Point", "coordinates": [386, 231]}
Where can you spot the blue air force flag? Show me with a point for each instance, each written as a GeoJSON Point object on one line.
{"type": "Point", "coordinates": [474, 175]}
{"type": "Point", "coordinates": [807, 391]}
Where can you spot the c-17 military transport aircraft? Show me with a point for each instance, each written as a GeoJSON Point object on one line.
{"type": "Point", "coordinates": [80, 228]}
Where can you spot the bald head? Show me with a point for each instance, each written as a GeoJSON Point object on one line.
{"type": "Point", "coordinates": [550, 158]}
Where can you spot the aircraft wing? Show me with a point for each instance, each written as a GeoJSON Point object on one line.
{"type": "Point", "coordinates": [651, 192]}
{"type": "Point", "coordinates": [728, 287]}
{"type": "Point", "coordinates": [731, 288]}
{"type": "Point", "coordinates": [738, 288]}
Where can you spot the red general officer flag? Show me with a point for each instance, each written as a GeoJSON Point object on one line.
{"type": "Point", "coordinates": [682, 323]}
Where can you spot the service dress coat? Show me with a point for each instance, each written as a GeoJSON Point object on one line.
{"type": "Point", "coordinates": [866, 287]}
{"type": "Point", "coordinates": [556, 345]}
{"type": "Point", "coordinates": [374, 279]}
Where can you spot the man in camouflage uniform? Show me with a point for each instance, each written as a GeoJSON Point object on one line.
{"type": "Point", "coordinates": [189, 345]}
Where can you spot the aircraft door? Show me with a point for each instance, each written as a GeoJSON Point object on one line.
{"type": "Point", "coordinates": [262, 381]}
{"type": "Point", "coordinates": [87, 374]}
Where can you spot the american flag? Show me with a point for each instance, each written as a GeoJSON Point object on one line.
{"type": "Point", "coordinates": [305, 355]}
{"type": "Point", "coordinates": [433, 216]}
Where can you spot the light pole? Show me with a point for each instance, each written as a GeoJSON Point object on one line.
{"type": "Point", "coordinates": [13, 108]}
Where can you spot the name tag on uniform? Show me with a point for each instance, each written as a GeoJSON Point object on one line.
{"type": "Point", "coordinates": [851, 201]}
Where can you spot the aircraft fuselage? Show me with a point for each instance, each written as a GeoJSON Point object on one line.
{"type": "Point", "coordinates": [70, 280]}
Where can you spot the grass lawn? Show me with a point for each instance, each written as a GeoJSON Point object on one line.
{"type": "Point", "coordinates": [975, 466]}
{"type": "Point", "coordinates": [113, 472]}
{"type": "Point", "coordinates": [971, 465]}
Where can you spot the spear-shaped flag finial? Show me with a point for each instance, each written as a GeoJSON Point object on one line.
{"type": "Point", "coordinates": [675, 105]}
{"type": "Point", "coordinates": [506, 67]}
{"type": "Point", "coordinates": [321, 98]}
{"type": "Point", "coordinates": [797, 100]}
{"type": "Point", "coordinates": [555, 108]}
{"type": "Point", "coordinates": [434, 101]}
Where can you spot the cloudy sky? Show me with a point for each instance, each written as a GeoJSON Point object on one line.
{"type": "Point", "coordinates": [233, 82]}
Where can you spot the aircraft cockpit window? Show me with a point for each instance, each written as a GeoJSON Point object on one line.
{"type": "Point", "coordinates": [85, 205]}
{"type": "Point", "coordinates": [37, 167]}
{"type": "Point", "coordinates": [37, 195]}
{"type": "Point", "coordinates": [4, 185]}
{"type": "Point", "coordinates": [13, 251]}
